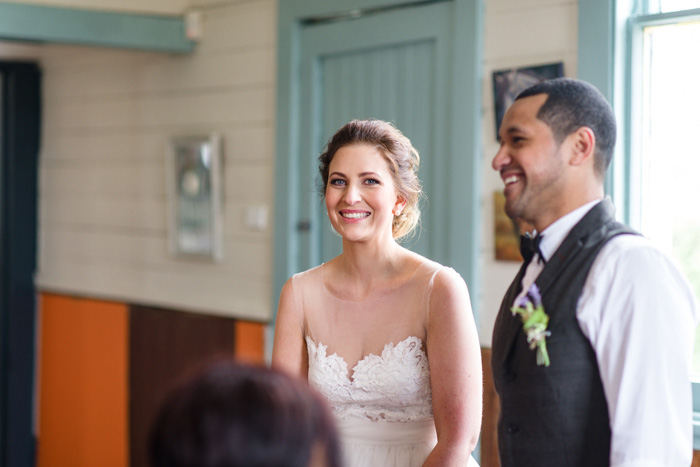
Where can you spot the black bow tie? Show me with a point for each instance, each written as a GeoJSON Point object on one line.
{"type": "Point", "coordinates": [529, 246]}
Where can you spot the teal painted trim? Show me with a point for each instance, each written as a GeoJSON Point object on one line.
{"type": "Point", "coordinates": [286, 146]}
{"type": "Point", "coordinates": [596, 42]}
{"type": "Point", "coordinates": [22, 22]}
{"type": "Point", "coordinates": [603, 60]}
{"type": "Point", "coordinates": [306, 9]}
{"type": "Point", "coordinates": [660, 19]}
{"type": "Point", "coordinates": [464, 206]}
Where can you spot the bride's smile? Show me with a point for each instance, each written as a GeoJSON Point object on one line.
{"type": "Point", "coordinates": [361, 195]}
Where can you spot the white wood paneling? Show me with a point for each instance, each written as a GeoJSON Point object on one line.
{"type": "Point", "coordinates": [109, 116]}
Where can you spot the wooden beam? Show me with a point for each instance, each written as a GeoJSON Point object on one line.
{"type": "Point", "coordinates": [20, 22]}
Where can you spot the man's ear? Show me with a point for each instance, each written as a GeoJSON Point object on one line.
{"type": "Point", "coordinates": [583, 146]}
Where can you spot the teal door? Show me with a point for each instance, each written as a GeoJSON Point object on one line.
{"type": "Point", "coordinates": [393, 66]}
{"type": "Point", "coordinates": [415, 63]}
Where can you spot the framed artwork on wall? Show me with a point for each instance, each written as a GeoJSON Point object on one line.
{"type": "Point", "coordinates": [506, 231]}
{"type": "Point", "coordinates": [194, 197]}
{"type": "Point", "coordinates": [507, 84]}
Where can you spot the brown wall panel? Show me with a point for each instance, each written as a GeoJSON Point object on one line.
{"type": "Point", "coordinates": [82, 382]}
{"type": "Point", "coordinates": [165, 346]}
{"type": "Point", "coordinates": [489, 434]}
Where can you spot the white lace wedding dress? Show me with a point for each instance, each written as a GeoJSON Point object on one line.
{"type": "Point", "coordinates": [383, 404]}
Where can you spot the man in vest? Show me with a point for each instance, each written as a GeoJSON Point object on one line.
{"type": "Point", "coordinates": [593, 343]}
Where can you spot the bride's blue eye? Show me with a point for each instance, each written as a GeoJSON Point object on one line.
{"type": "Point", "coordinates": [337, 182]}
{"type": "Point", "coordinates": [372, 181]}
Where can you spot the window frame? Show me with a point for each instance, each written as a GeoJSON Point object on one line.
{"type": "Point", "coordinates": [634, 45]}
{"type": "Point", "coordinates": [609, 57]}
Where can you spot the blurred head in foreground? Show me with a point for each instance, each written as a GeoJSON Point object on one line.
{"type": "Point", "coordinates": [232, 414]}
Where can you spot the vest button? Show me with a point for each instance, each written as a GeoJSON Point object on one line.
{"type": "Point", "coordinates": [512, 428]}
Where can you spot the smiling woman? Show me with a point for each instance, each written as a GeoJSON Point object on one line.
{"type": "Point", "coordinates": [360, 327]}
{"type": "Point", "coordinates": [401, 160]}
{"type": "Point", "coordinates": [360, 193]}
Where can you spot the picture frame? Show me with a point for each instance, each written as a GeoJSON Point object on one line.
{"type": "Point", "coordinates": [195, 197]}
{"type": "Point", "coordinates": [507, 84]}
{"type": "Point", "coordinates": [507, 232]}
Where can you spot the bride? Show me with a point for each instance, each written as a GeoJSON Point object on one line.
{"type": "Point", "coordinates": [385, 334]}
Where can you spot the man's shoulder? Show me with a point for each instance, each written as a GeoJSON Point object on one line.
{"type": "Point", "coordinates": [635, 256]}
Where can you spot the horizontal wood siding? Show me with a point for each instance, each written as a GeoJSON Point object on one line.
{"type": "Point", "coordinates": [109, 116]}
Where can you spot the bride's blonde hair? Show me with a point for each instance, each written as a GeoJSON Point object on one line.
{"type": "Point", "coordinates": [401, 156]}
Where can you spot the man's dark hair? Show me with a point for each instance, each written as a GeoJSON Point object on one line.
{"type": "Point", "coordinates": [572, 104]}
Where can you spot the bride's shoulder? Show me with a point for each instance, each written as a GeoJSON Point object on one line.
{"type": "Point", "coordinates": [439, 276]}
{"type": "Point", "coordinates": [427, 267]}
{"type": "Point", "coordinates": [309, 274]}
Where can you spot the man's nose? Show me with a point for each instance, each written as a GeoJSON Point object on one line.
{"type": "Point", "coordinates": [501, 158]}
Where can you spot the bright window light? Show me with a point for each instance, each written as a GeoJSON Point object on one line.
{"type": "Point", "coordinates": [669, 156]}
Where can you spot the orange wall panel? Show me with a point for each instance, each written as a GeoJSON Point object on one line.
{"type": "Point", "coordinates": [250, 342]}
{"type": "Point", "coordinates": [83, 382]}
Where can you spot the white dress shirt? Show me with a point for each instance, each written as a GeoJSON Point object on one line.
{"type": "Point", "coordinates": [639, 313]}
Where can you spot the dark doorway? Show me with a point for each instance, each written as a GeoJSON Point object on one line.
{"type": "Point", "coordinates": [20, 116]}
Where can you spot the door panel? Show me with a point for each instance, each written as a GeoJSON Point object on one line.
{"type": "Point", "coordinates": [393, 66]}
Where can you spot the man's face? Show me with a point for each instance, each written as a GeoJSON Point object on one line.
{"type": "Point", "coordinates": [530, 162]}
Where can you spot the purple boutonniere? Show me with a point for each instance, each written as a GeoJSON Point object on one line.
{"type": "Point", "coordinates": [535, 322]}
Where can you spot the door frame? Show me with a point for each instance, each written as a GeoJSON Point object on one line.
{"type": "Point", "coordinates": [463, 155]}
{"type": "Point", "coordinates": [19, 157]}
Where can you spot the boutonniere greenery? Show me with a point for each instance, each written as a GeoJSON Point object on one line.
{"type": "Point", "coordinates": [535, 322]}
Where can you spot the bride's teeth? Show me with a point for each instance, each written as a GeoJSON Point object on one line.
{"type": "Point", "coordinates": [511, 179]}
{"type": "Point", "coordinates": [355, 215]}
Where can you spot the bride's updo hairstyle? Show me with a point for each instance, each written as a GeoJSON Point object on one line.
{"type": "Point", "coordinates": [401, 156]}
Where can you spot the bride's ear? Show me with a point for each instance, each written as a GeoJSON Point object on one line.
{"type": "Point", "coordinates": [400, 204]}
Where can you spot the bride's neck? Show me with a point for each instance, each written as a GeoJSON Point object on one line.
{"type": "Point", "coordinates": [367, 262]}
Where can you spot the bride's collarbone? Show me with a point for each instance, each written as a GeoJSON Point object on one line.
{"type": "Point", "coordinates": [360, 288]}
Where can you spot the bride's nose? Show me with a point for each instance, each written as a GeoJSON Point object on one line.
{"type": "Point", "coordinates": [352, 194]}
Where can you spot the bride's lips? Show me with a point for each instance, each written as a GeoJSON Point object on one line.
{"type": "Point", "coordinates": [354, 215]}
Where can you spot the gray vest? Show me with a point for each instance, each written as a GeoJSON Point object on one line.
{"type": "Point", "coordinates": [556, 415]}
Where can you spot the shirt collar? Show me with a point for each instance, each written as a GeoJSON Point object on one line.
{"type": "Point", "coordinates": [555, 233]}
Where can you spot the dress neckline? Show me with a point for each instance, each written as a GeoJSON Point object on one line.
{"type": "Point", "coordinates": [343, 364]}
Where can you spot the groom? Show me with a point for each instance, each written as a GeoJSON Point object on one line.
{"type": "Point", "coordinates": [595, 372]}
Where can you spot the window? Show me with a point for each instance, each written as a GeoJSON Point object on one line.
{"type": "Point", "coordinates": [663, 157]}
{"type": "Point", "coordinates": [665, 6]}
{"type": "Point", "coordinates": [643, 54]}
{"type": "Point", "coordinates": [664, 122]}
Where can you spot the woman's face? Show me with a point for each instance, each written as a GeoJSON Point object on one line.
{"type": "Point", "coordinates": [361, 196]}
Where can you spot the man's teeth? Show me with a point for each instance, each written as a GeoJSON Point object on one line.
{"type": "Point", "coordinates": [511, 179]}
{"type": "Point", "coordinates": [354, 215]}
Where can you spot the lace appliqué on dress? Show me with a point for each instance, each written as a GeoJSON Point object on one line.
{"type": "Point", "coordinates": [393, 386]}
